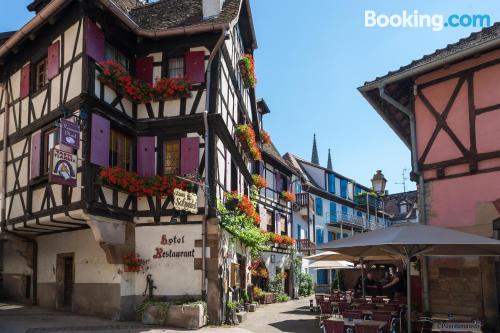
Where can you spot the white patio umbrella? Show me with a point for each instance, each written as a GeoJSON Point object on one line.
{"type": "Point", "coordinates": [408, 240]}
{"type": "Point", "coordinates": [330, 255]}
{"type": "Point", "coordinates": [332, 264]}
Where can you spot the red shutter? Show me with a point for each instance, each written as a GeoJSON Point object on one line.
{"type": "Point", "coordinates": [195, 66]}
{"type": "Point", "coordinates": [53, 60]}
{"type": "Point", "coordinates": [146, 155]}
{"type": "Point", "coordinates": [35, 155]}
{"type": "Point", "coordinates": [144, 69]}
{"type": "Point", "coordinates": [99, 141]}
{"type": "Point", "coordinates": [25, 81]}
{"type": "Point", "coordinates": [95, 41]}
{"type": "Point", "coordinates": [190, 155]}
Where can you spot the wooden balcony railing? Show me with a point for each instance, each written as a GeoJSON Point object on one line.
{"type": "Point", "coordinates": [306, 247]}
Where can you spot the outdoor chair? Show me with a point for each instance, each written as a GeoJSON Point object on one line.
{"type": "Point", "coordinates": [379, 299]}
{"type": "Point", "coordinates": [326, 310]}
{"type": "Point", "coordinates": [334, 326]}
{"type": "Point", "coordinates": [384, 317]}
{"type": "Point", "coordinates": [342, 306]}
{"type": "Point", "coordinates": [352, 314]}
{"type": "Point", "coordinates": [365, 328]}
{"type": "Point", "coordinates": [388, 307]}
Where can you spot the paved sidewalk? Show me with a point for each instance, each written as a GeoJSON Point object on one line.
{"type": "Point", "coordinates": [292, 316]}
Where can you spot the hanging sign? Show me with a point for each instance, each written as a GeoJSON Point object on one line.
{"type": "Point", "coordinates": [184, 200]}
{"type": "Point", "coordinates": [69, 133]}
{"type": "Point", "coordinates": [62, 167]}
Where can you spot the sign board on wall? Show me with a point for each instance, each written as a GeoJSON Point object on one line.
{"type": "Point", "coordinates": [172, 253]}
{"type": "Point", "coordinates": [186, 201]}
{"type": "Point", "coordinates": [62, 167]}
{"type": "Point", "coordinates": [69, 133]}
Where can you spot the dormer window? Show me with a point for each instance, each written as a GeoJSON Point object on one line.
{"type": "Point", "coordinates": [41, 74]}
{"type": "Point", "coordinates": [176, 67]}
{"type": "Point", "coordinates": [403, 207]}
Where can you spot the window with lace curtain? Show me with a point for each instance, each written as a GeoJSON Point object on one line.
{"type": "Point", "coordinates": [120, 150]}
{"type": "Point", "coordinates": [176, 67]}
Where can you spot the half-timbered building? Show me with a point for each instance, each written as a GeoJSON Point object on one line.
{"type": "Point", "coordinates": [445, 108]}
{"type": "Point", "coordinates": [146, 90]}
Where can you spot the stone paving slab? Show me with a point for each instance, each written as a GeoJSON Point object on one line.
{"type": "Point", "coordinates": [292, 316]}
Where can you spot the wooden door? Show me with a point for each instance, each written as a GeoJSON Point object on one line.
{"type": "Point", "coordinates": [65, 279]}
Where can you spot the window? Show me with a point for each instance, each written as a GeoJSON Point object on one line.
{"type": "Point", "coordinates": [331, 236]}
{"type": "Point", "coordinates": [403, 208]}
{"type": "Point", "coordinates": [176, 67]}
{"type": "Point", "coordinates": [41, 74]}
{"type": "Point", "coordinates": [120, 150]}
{"type": "Point", "coordinates": [112, 53]}
{"type": "Point", "coordinates": [172, 165]}
{"type": "Point", "coordinates": [49, 142]}
{"type": "Point", "coordinates": [344, 212]}
{"type": "Point", "coordinates": [270, 224]}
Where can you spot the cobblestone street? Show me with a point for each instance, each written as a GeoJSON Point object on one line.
{"type": "Point", "coordinates": [292, 316]}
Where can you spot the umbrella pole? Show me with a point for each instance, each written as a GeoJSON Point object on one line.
{"type": "Point", "coordinates": [408, 294]}
{"type": "Point", "coordinates": [362, 276]}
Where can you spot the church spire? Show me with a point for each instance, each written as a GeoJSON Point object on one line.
{"type": "Point", "coordinates": [314, 157]}
{"type": "Point", "coordinates": [329, 164]}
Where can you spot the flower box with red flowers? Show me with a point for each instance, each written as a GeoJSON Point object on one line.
{"type": "Point", "coordinates": [259, 182]}
{"type": "Point", "coordinates": [247, 70]}
{"type": "Point", "coordinates": [288, 196]}
{"type": "Point", "coordinates": [243, 204]}
{"type": "Point", "coordinates": [265, 137]}
{"type": "Point", "coordinates": [281, 240]}
{"type": "Point", "coordinates": [117, 78]}
{"type": "Point", "coordinates": [246, 136]}
{"type": "Point", "coordinates": [130, 182]}
{"type": "Point", "coordinates": [133, 262]}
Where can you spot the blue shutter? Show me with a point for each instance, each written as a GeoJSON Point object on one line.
{"type": "Point", "coordinates": [319, 236]}
{"type": "Point", "coordinates": [330, 236]}
{"type": "Point", "coordinates": [299, 229]}
{"type": "Point", "coordinates": [319, 206]}
{"type": "Point", "coordinates": [343, 188]}
{"type": "Point", "coordinates": [339, 235]}
{"type": "Point", "coordinates": [298, 187]}
{"type": "Point", "coordinates": [331, 183]}
{"type": "Point", "coordinates": [333, 212]}
{"type": "Point", "coordinates": [346, 235]}
{"type": "Point", "coordinates": [322, 276]}
{"type": "Point", "coordinates": [359, 214]}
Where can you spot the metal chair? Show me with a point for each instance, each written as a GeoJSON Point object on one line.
{"type": "Point", "coordinates": [365, 328]}
{"type": "Point", "coordinates": [384, 317]}
{"type": "Point", "coordinates": [326, 310]}
{"type": "Point", "coordinates": [334, 326]}
{"type": "Point", "coordinates": [353, 314]}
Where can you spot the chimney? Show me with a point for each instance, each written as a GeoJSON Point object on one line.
{"type": "Point", "coordinates": [212, 8]}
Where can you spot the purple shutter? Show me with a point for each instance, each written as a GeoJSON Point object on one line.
{"type": "Point", "coordinates": [35, 155]}
{"type": "Point", "coordinates": [53, 60]}
{"type": "Point", "coordinates": [190, 155]}
{"type": "Point", "coordinates": [99, 141]}
{"type": "Point", "coordinates": [25, 81]}
{"type": "Point", "coordinates": [195, 66]}
{"type": "Point", "coordinates": [144, 69]}
{"type": "Point", "coordinates": [279, 182]}
{"type": "Point", "coordinates": [95, 42]}
{"type": "Point", "coordinates": [146, 155]}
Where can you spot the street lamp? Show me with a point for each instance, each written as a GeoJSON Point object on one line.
{"type": "Point", "coordinates": [378, 186]}
{"type": "Point", "coordinates": [379, 182]}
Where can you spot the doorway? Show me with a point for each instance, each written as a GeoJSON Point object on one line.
{"type": "Point", "coordinates": [65, 279]}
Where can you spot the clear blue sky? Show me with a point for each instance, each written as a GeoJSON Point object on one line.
{"type": "Point", "coordinates": [313, 55]}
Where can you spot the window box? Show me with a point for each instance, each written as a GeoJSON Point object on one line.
{"type": "Point", "coordinates": [247, 71]}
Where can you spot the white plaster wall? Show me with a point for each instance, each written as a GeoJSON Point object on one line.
{"type": "Point", "coordinates": [172, 276]}
{"type": "Point", "coordinates": [13, 261]}
{"type": "Point", "coordinates": [90, 260]}
{"type": "Point", "coordinates": [282, 262]}
{"type": "Point", "coordinates": [298, 220]}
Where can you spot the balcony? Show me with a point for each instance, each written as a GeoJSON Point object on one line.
{"type": "Point", "coordinates": [353, 221]}
{"type": "Point", "coordinates": [304, 204]}
{"type": "Point", "coordinates": [306, 247]}
{"type": "Point", "coordinates": [360, 200]}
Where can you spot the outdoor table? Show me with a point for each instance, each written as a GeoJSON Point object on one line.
{"type": "Point", "coordinates": [444, 317]}
{"type": "Point", "coordinates": [370, 312]}
{"type": "Point", "coordinates": [352, 323]}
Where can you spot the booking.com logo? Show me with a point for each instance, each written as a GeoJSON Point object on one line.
{"type": "Point", "coordinates": [416, 20]}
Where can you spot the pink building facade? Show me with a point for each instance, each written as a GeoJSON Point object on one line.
{"type": "Point", "coordinates": [446, 109]}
